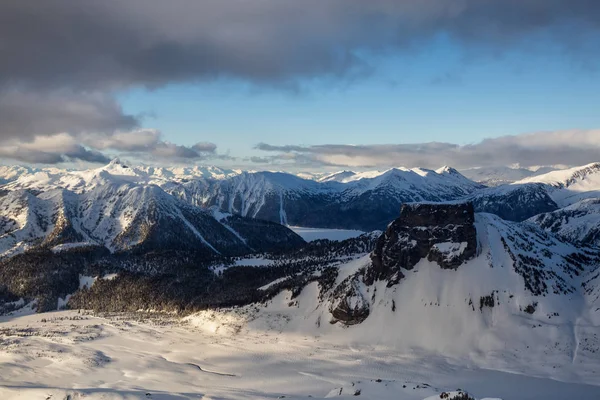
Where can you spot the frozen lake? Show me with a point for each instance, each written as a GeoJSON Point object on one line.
{"type": "Point", "coordinates": [310, 234]}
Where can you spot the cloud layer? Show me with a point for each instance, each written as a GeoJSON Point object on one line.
{"type": "Point", "coordinates": [63, 60]}
{"type": "Point", "coordinates": [115, 43]}
{"type": "Point", "coordinates": [145, 145]}
{"type": "Point", "coordinates": [575, 147]}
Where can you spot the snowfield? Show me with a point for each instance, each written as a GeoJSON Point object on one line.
{"type": "Point", "coordinates": [214, 355]}
{"type": "Point", "coordinates": [310, 234]}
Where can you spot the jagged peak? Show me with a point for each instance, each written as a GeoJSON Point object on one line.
{"type": "Point", "coordinates": [447, 170]}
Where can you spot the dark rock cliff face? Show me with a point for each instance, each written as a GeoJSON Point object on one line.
{"type": "Point", "coordinates": [444, 233]}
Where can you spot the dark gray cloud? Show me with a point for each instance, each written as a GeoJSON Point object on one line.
{"type": "Point", "coordinates": [285, 148]}
{"type": "Point", "coordinates": [50, 150]}
{"type": "Point", "coordinates": [146, 143]}
{"type": "Point", "coordinates": [25, 114]}
{"type": "Point", "coordinates": [80, 153]}
{"type": "Point", "coordinates": [575, 147]}
{"type": "Point", "coordinates": [32, 156]}
{"type": "Point", "coordinates": [116, 43]}
{"type": "Point", "coordinates": [167, 150]}
{"type": "Point", "coordinates": [205, 147]}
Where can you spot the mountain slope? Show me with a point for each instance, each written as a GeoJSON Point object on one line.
{"type": "Point", "coordinates": [486, 281]}
{"type": "Point", "coordinates": [80, 181]}
{"type": "Point", "coordinates": [441, 278]}
{"type": "Point", "coordinates": [362, 201]}
{"type": "Point", "coordinates": [523, 294]}
{"type": "Point", "coordinates": [539, 194]}
{"type": "Point", "coordinates": [364, 204]}
{"type": "Point", "coordinates": [514, 202]}
{"type": "Point", "coordinates": [48, 241]}
{"type": "Point", "coordinates": [127, 217]}
{"type": "Point", "coordinates": [569, 186]}
{"type": "Point", "coordinates": [579, 222]}
{"type": "Point", "coordinates": [496, 176]}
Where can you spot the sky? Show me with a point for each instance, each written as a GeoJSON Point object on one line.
{"type": "Point", "coordinates": [301, 85]}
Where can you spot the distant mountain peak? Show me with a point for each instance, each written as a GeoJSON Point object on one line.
{"type": "Point", "coordinates": [447, 170]}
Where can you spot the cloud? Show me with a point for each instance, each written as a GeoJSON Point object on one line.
{"type": "Point", "coordinates": [25, 114]}
{"type": "Point", "coordinates": [146, 143]}
{"type": "Point", "coordinates": [574, 147]}
{"type": "Point", "coordinates": [205, 147]}
{"type": "Point", "coordinates": [50, 150]}
{"type": "Point", "coordinates": [143, 144]}
{"type": "Point", "coordinates": [168, 150]}
{"type": "Point", "coordinates": [64, 60]}
{"type": "Point", "coordinates": [117, 43]}
{"type": "Point", "coordinates": [133, 141]}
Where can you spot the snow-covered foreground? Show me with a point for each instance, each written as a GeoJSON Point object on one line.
{"type": "Point", "coordinates": [310, 234]}
{"type": "Point", "coordinates": [66, 355]}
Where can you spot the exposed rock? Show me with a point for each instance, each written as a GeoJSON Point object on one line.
{"type": "Point", "coordinates": [530, 309]}
{"type": "Point", "coordinates": [444, 233]}
{"type": "Point", "coordinates": [349, 306]}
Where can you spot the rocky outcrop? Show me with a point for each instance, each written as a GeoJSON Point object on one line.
{"type": "Point", "coordinates": [349, 305]}
{"type": "Point", "coordinates": [443, 233]}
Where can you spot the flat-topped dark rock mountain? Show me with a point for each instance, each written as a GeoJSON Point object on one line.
{"type": "Point", "coordinates": [444, 233]}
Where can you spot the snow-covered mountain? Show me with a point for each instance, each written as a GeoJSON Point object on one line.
{"type": "Point", "coordinates": [541, 194]}
{"type": "Point", "coordinates": [569, 186]}
{"type": "Point", "coordinates": [579, 222]}
{"type": "Point", "coordinates": [443, 280]}
{"type": "Point", "coordinates": [81, 180]}
{"type": "Point", "coordinates": [365, 201]}
{"type": "Point", "coordinates": [365, 204]}
{"type": "Point", "coordinates": [501, 175]}
{"type": "Point", "coordinates": [488, 176]}
{"type": "Point", "coordinates": [11, 173]}
{"type": "Point", "coordinates": [440, 278]}
{"type": "Point", "coordinates": [475, 285]}
{"type": "Point", "coordinates": [340, 176]}
{"type": "Point", "coordinates": [117, 209]}
{"type": "Point", "coordinates": [514, 202]}
{"type": "Point", "coordinates": [349, 200]}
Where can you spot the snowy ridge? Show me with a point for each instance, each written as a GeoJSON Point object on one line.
{"type": "Point", "coordinates": [496, 176]}
{"type": "Point", "coordinates": [579, 222]}
{"type": "Point", "coordinates": [79, 181]}
{"type": "Point", "coordinates": [288, 199]}
{"type": "Point", "coordinates": [275, 196]}
{"type": "Point", "coordinates": [361, 201]}
{"type": "Point", "coordinates": [569, 186]}
{"type": "Point", "coordinates": [115, 212]}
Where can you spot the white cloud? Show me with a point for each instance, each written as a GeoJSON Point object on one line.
{"type": "Point", "coordinates": [571, 147]}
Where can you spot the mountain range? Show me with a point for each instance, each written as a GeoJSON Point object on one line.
{"type": "Point", "coordinates": [347, 200]}
{"type": "Point", "coordinates": [441, 277]}
{"type": "Point", "coordinates": [177, 232]}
